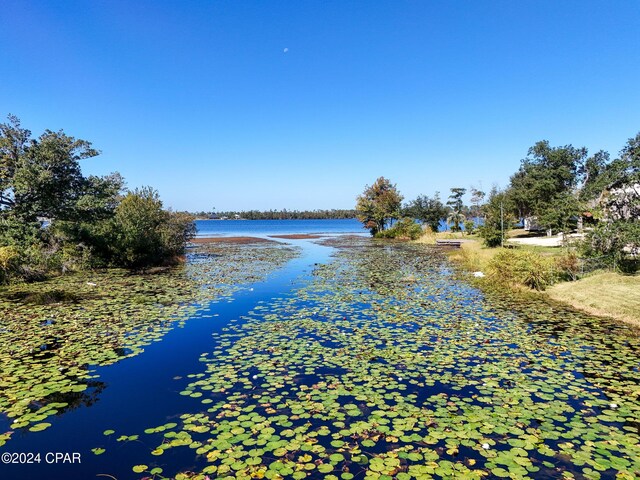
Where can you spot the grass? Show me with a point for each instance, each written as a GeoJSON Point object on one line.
{"type": "Point", "coordinates": [429, 237]}
{"type": "Point", "coordinates": [547, 251]}
{"type": "Point", "coordinates": [604, 294]}
{"type": "Point", "coordinates": [607, 294]}
{"type": "Point", "coordinates": [473, 255]}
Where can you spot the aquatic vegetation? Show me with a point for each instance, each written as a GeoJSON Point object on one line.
{"type": "Point", "coordinates": [52, 333]}
{"type": "Point", "coordinates": [387, 366]}
{"type": "Point", "coordinates": [523, 267]}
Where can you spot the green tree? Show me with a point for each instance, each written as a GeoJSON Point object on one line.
{"type": "Point", "coordinates": [90, 230]}
{"type": "Point", "coordinates": [629, 166]}
{"type": "Point", "coordinates": [378, 205]}
{"type": "Point", "coordinates": [561, 212]}
{"type": "Point", "coordinates": [477, 199]}
{"type": "Point", "coordinates": [497, 218]}
{"type": "Point", "coordinates": [42, 177]}
{"type": "Point", "coordinates": [616, 242]}
{"type": "Point", "coordinates": [90, 223]}
{"type": "Point", "coordinates": [428, 210]}
{"type": "Point", "coordinates": [143, 234]}
{"type": "Point", "coordinates": [48, 181]}
{"type": "Point", "coordinates": [545, 178]}
{"type": "Point", "coordinates": [623, 171]}
{"type": "Point", "coordinates": [456, 216]}
{"type": "Point", "coordinates": [99, 197]}
{"type": "Point", "coordinates": [596, 176]}
{"type": "Point", "coordinates": [14, 140]}
{"type": "Point", "coordinates": [616, 238]}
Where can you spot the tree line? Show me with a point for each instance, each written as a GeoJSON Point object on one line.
{"type": "Point", "coordinates": [55, 219]}
{"type": "Point", "coordinates": [555, 189]}
{"type": "Point", "coordinates": [381, 204]}
{"type": "Point", "coordinates": [283, 214]}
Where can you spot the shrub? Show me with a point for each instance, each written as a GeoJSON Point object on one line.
{"type": "Point", "coordinates": [405, 229]}
{"type": "Point", "coordinates": [491, 234]}
{"type": "Point", "coordinates": [615, 242]}
{"type": "Point", "coordinates": [568, 266]}
{"type": "Point", "coordinates": [76, 257]}
{"type": "Point", "coordinates": [469, 227]}
{"type": "Point", "coordinates": [9, 262]}
{"type": "Point", "coordinates": [522, 267]}
{"type": "Point", "coordinates": [175, 231]}
{"type": "Point", "coordinates": [144, 235]}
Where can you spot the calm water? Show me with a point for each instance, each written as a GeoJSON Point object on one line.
{"type": "Point", "coordinates": [261, 228]}
{"type": "Point", "coordinates": [210, 228]}
{"type": "Point", "coordinates": [138, 392]}
{"type": "Point", "coordinates": [475, 354]}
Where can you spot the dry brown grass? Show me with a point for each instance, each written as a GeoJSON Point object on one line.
{"type": "Point", "coordinates": [473, 255]}
{"type": "Point", "coordinates": [604, 294]}
{"type": "Point", "coordinates": [430, 238]}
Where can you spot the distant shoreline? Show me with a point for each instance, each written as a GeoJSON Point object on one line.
{"type": "Point", "coordinates": [268, 219]}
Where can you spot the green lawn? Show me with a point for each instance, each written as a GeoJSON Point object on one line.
{"type": "Point", "coordinates": [606, 294]}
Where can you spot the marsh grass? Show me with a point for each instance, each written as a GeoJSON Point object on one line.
{"type": "Point", "coordinates": [474, 256]}
{"type": "Point", "coordinates": [522, 267]}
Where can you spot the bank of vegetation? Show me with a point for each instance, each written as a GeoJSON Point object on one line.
{"type": "Point", "coordinates": [284, 214]}
{"type": "Point", "coordinates": [558, 273]}
{"type": "Point", "coordinates": [54, 219]}
{"type": "Point", "coordinates": [591, 202]}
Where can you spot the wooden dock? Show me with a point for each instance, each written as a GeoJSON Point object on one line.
{"type": "Point", "coordinates": [448, 243]}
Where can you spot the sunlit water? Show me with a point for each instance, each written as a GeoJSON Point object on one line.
{"type": "Point", "coordinates": [210, 228]}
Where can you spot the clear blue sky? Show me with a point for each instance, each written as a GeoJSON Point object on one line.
{"type": "Point", "coordinates": [299, 104]}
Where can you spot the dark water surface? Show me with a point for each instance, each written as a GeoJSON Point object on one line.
{"type": "Point", "coordinates": [141, 391]}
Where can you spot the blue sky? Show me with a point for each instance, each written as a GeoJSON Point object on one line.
{"type": "Point", "coordinates": [299, 104]}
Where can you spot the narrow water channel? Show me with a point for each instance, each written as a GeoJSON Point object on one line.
{"type": "Point", "coordinates": [134, 393]}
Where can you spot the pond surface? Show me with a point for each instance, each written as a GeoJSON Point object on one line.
{"type": "Point", "coordinates": [346, 359]}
